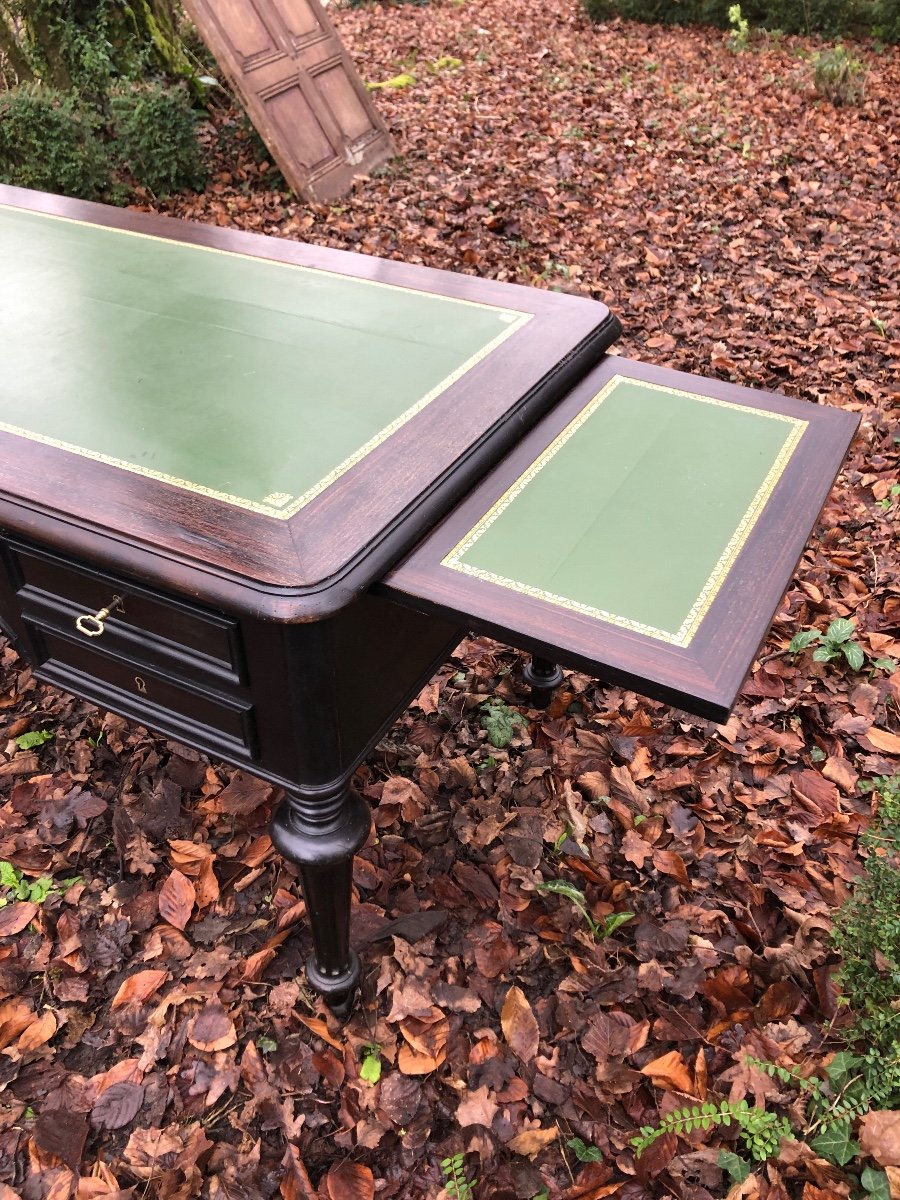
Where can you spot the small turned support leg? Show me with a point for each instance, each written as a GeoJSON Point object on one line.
{"type": "Point", "coordinates": [543, 677]}
{"type": "Point", "coordinates": [320, 832]}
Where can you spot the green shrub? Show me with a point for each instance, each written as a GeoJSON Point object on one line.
{"type": "Point", "coordinates": [839, 78]}
{"type": "Point", "coordinates": [830, 17]}
{"type": "Point", "coordinates": [51, 143]}
{"type": "Point", "coordinates": [866, 930]}
{"type": "Point", "coordinates": [155, 138]}
{"type": "Point", "coordinates": [886, 20]}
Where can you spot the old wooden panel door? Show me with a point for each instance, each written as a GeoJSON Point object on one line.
{"type": "Point", "coordinates": [300, 89]}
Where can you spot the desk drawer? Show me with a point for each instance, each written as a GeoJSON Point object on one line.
{"type": "Point", "coordinates": [216, 719]}
{"type": "Point", "coordinates": [178, 639]}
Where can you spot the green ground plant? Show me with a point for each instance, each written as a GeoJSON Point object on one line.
{"type": "Point", "coordinates": [49, 141]}
{"type": "Point", "coordinates": [836, 643]}
{"type": "Point", "coordinates": [838, 77]}
{"type": "Point", "coordinates": [739, 33]}
{"type": "Point", "coordinates": [599, 929]}
{"type": "Point", "coordinates": [14, 886]}
{"type": "Point", "coordinates": [760, 1131]}
{"type": "Point", "coordinates": [456, 1184]}
{"type": "Point", "coordinates": [500, 721]}
{"type": "Point", "coordinates": [34, 739]}
{"type": "Point", "coordinates": [866, 931]}
{"type": "Point", "coordinates": [370, 1068]}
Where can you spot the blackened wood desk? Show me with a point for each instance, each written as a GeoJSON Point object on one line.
{"type": "Point", "coordinates": [216, 448]}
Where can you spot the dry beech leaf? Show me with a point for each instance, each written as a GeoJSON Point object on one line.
{"type": "Point", "coordinates": [117, 1105]}
{"type": "Point", "coordinates": [138, 988]}
{"type": "Point", "coordinates": [15, 1016]}
{"type": "Point", "coordinates": [879, 1136]}
{"type": "Point", "coordinates": [176, 899]}
{"type": "Point", "coordinates": [520, 1028]}
{"type": "Point", "coordinates": [243, 795]}
{"type": "Point", "coordinates": [320, 1029]}
{"type": "Point", "coordinates": [670, 1071]}
{"type": "Point", "coordinates": [412, 1062]}
{"type": "Point", "coordinates": [212, 1029]}
{"type": "Point", "coordinates": [38, 1033]}
{"type": "Point", "coordinates": [295, 1182]}
{"type": "Point", "coordinates": [667, 862]}
{"type": "Point", "coordinates": [207, 887]}
{"type": "Point", "coordinates": [350, 1181]}
{"type": "Point", "coordinates": [883, 740]}
{"type": "Point", "coordinates": [532, 1141]}
{"type": "Point", "coordinates": [190, 856]}
{"type": "Point", "coordinates": [16, 917]}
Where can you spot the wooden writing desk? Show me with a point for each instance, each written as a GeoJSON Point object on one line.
{"type": "Point", "coordinates": [215, 448]}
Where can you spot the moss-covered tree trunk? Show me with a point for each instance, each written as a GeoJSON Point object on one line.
{"type": "Point", "coordinates": [61, 42]}
{"type": "Point", "coordinates": [12, 53]}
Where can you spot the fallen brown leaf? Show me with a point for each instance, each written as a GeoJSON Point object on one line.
{"type": "Point", "coordinates": [350, 1181]}
{"type": "Point", "coordinates": [176, 899]}
{"type": "Point", "coordinates": [519, 1025]}
{"type": "Point", "coordinates": [212, 1029]}
{"type": "Point", "coordinates": [15, 917]}
{"type": "Point", "coordinates": [138, 988]}
{"type": "Point", "coordinates": [532, 1141]}
{"type": "Point", "coordinates": [879, 1136]}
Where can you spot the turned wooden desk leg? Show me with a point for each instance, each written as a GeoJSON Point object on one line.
{"type": "Point", "coordinates": [543, 677]}
{"type": "Point", "coordinates": [320, 831]}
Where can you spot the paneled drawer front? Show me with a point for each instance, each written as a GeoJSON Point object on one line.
{"type": "Point", "coordinates": [176, 638]}
{"type": "Point", "coordinates": [220, 720]}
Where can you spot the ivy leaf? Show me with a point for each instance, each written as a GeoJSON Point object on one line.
{"type": "Point", "coordinates": [885, 664]}
{"type": "Point", "coordinates": [738, 1168]}
{"type": "Point", "coordinates": [876, 1183]}
{"type": "Point", "coordinates": [854, 655]}
{"type": "Point", "coordinates": [841, 1068]}
{"type": "Point", "coordinates": [583, 1152]}
{"type": "Point", "coordinates": [836, 1144]}
{"type": "Point", "coordinates": [840, 630]}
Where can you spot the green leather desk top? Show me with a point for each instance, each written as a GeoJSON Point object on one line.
{"type": "Point", "coordinates": [636, 511]}
{"type": "Point", "coordinates": [248, 380]}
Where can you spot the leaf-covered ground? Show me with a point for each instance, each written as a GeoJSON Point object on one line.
{"type": "Point", "coordinates": [156, 1039]}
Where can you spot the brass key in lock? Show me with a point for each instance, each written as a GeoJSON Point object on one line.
{"type": "Point", "coordinates": [92, 624]}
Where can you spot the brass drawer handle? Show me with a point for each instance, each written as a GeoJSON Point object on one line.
{"type": "Point", "coordinates": [91, 625]}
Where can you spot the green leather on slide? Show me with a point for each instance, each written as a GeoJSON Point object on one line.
{"type": "Point", "coordinates": [221, 372]}
{"type": "Point", "coordinates": [640, 511]}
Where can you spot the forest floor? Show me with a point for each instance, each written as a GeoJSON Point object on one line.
{"type": "Point", "coordinates": [743, 228]}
